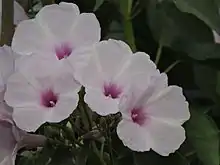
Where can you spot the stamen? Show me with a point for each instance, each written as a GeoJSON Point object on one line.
{"type": "Point", "coordinates": [138, 116]}
{"type": "Point", "coordinates": [49, 98]}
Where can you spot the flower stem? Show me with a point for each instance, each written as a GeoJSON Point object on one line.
{"type": "Point", "coordinates": [109, 139]}
{"type": "Point", "coordinates": [102, 149]}
{"type": "Point", "coordinates": [87, 113]}
{"type": "Point", "coordinates": [89, 116]}
{"type": "Point", "coordinates": [98, 153]}
{"type": "Point", "coordinates": [7, 21]}
{"type": "Point", "coordinates": [85, 109]}
{"type": "Point", "coordinates": [94, 147]}
{"type": "Point", "coordinates": [129, 34]}
{"type": "Point", "coordinates": [126, 8]}
{"type": "Point", "coordinates": [68, 133]}
{"type": "Point", "coordinates": [172, 66]}
{"type": "Point", "coordinates": [190, 153]}
{"type": "Point", "coordinates": [158, 55]}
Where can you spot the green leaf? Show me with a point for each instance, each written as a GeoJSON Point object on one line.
{"type": "Point", "coordinates": [169, 25]}
{"type": "Point", "coordinates": [206, 10]}
{"type": "Point", "coordinates": [81, 157]}
{"type": "Point", "coordinates": [202, 132]}
{"type": "Point", "coordinates": [61, 156]}
{"type": "Point", "coordinates": [41, 156]}
{"type": "Point", "coordinates": [155, 159]}
{"type": "Point", "coordinates": [85, 156]}
{"type": "Point", "coordinates": [115, 31]}
{"type": "Point", "coordinates": [199, 51]}
{"type": "Point", "coordinates": [181, 31]}
{"type": "Point", "coordinates": [47, 2]}
{"type": "Point", "coordinates": [217, 2]}
{"type": "Point", "coordinates": [125, 7]}
{"type": "Point", "coordinates": [98, 4]}
{"type": "Point", "coordinates": [206, 79]}
{"type": "Point", "coordinates": [218, 83]}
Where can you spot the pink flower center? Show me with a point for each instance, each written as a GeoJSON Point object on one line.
{"type": "Point", "coordinates": [138, 116]}
{"type": "Point", "coordinates": [112, 90]}
{"type": "Point", "coordinates": [49, 98]}
{"type": "Point", "coordinates": [63, 50]}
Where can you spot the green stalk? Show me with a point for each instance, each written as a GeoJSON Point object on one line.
{"type": "Point", "coordinates": [158, 55]}
{"type": "Point", "coordinates": [7, 26]}
{"type": "Point", "coordinates": [172, 66]}
{"type": "Point", "coordinates": [109, 141]}
{"type": "Point", "coordinates": [129, 34]}
{"type": "Point", "coordinates": [88, 121]}
{"type": "Point", "coordinates": [125, 8]}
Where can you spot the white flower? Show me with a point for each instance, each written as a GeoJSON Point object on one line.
{"type": "Point", "coordinates": [57, 31]}
{"type": "Point", "coordinates": [152, 118]}
{"type": "Point", "coordinates": [110, 69]}
{"type": "Point", "coordinates": [12, 138]}
{"type": "Point", "coordinates": [41, 91]}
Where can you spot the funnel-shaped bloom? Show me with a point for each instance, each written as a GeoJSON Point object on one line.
{"type": "Point", "coordinates": [109, 70]}
{"type": "Point", "coordinates": [155, 116]}
{"type": "Point", "coordinates": [41, 91]}
{"type": "Point", "coordinates": [58, 31]}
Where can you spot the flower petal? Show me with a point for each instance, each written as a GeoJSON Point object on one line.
{"type": "Point", "coordinates": [137, 96]}
{"type": "Point", "coordinates": [99, 103]}
{"type": "Point", "coordinates": [86, 30]}
{"type": "Point", "coordinates": [6, 65]}
{"type": "Point", "coordinates": [86, 66]}
{"type": "Point", "coordinates": [39, 66]}
{"type": "Point", "coordinates": [65, 14]}
{"type": "Point", "coordinates": [65, 83]}
{"type": "Point", "coordinates": [133, 136]}
{"type": "Point", "coordinates": [29, 118]}
{"type": "Point", "coordinates": [112, 56]}
{"type": "Point", "coordinates": [216, 36]}
{"type": "Point", "coordinates": [159, 82]}
{"type": "Point", "coordinates": [19, 13]}
{"type": "Point", "coordinates": [30, 38]}
{"type": "Point", "coordinates": [167, 138]}
{"type": "Point", "coordinates": [9, 160]}
{"type": "Point", "coordinates": [5, 112]}
{"type": "Point", "coordinates": [20, 92]}
{"type": "Point", "coordinates": [170, 105]}
{"type": "Point", "coordinates": [138, 70]}
{"type": "Point", "coordinates": [64, 107]}
{"type": "Point", "coordinates": [7, 141]}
